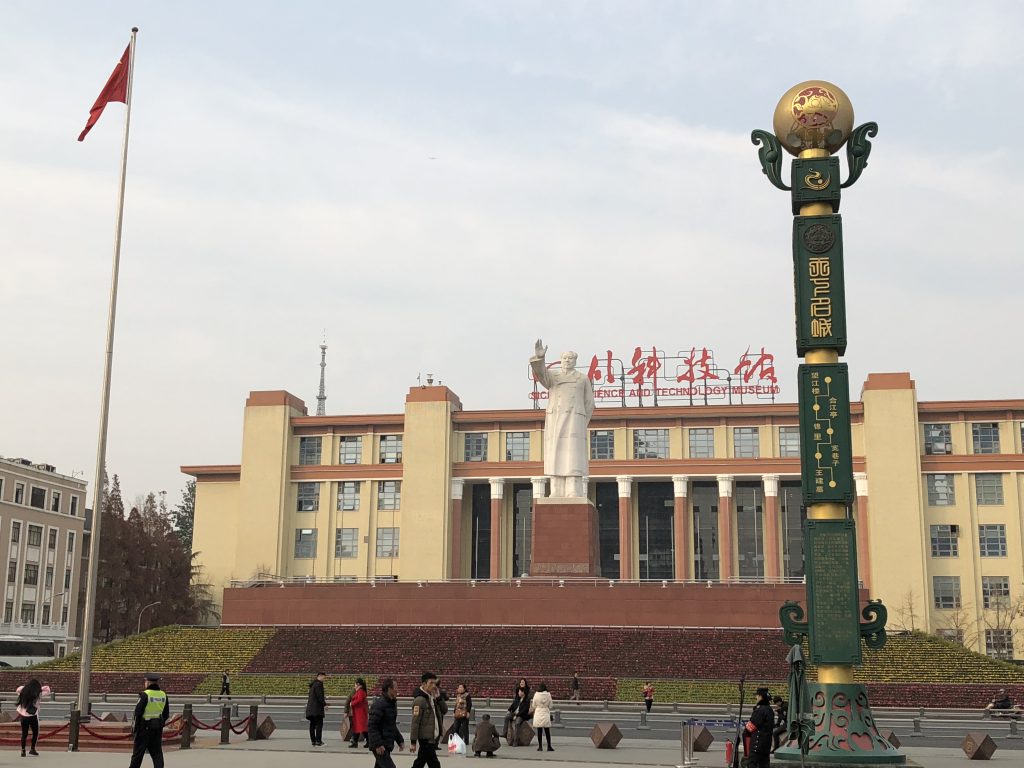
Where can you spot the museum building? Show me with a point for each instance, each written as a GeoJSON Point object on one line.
{"type": "Point", "coordinates": [684, 493]}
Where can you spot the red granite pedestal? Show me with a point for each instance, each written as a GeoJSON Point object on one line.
{"type": "Point", "coordinates": [565, 538]}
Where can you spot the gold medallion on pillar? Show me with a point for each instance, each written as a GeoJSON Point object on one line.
{"type": "Point", "coordinates": [813, 115]}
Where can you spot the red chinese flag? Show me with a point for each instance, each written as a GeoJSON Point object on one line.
{"type": "Point", "coordinates": [116, 89]}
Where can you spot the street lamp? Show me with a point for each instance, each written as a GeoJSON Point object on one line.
{"type": "Point", "coordinates": [138, 629]}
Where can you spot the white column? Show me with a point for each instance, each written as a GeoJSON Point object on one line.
{"type": "Point", "coordinates": [539, 486]}
{"type": "Point", "coordinates": [771, 484]}
{"type": "Point", "coordinates": [861, 480]}
{"type": "Point", "coordinates": [457, 484]}
{"type": "Point", "coordinates": [725, 536]}
{"type": "Point", "coordinates": [497, 496]}
{"type": "Point", "coordinates": [625, 527]}
{"type": "Point", "coordinates": [725, 486]}
{"type": "Point", "coordinates": [680, 484]}
{"type": "Point", "coordinates": [625, 486]}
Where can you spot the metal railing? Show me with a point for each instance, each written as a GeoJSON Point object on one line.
{"type": "Point", "coordinates": [271, 580]}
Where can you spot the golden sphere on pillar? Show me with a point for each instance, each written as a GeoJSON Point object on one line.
{"type": "Point", "coordinates": [814, 114]}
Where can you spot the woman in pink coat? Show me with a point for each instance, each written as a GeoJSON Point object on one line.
{"type": "Point", "coordinates": [28, 707]}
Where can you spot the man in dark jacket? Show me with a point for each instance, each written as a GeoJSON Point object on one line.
{"type": "Point", "coordinates": [315, 706]}
{"type": "Point", "coordinates": [485, 738]}
{"type": "Point", "coordinates": [151, 715]}
{"type": "Point", "coordinates": [383, 731]}
{"type": "Point", "coordinates": [759, 728]}
{"type": "Point", "coordinates": [428, 710]}
{"type": "Point", "coordinates": [781, 721]}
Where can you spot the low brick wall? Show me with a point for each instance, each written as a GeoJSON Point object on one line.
{"type": "Point", "coordinates": [99, 682]}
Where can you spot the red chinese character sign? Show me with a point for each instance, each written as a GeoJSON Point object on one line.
{"type": "Point", "coordinates": [693, 376]}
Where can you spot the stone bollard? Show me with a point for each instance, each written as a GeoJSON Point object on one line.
{"type": "Point", "coordinates": [225, 725]}
{"type": "Point", "coordinates": [917, 728]}
{"type": "Point", "coordinates": [250, 731]}
{"type": "Point", "coordinates": [76, 718]}
{"type": "Point", "coordinates": [186, 727]}
{"type": "Point", "coordinates": [605, 704]}
{"type": "Point", "coordinates": [488, 702]}
{"type": "Point", "coordinates": [556, 718]}
{"type": "Point", "coordinates": [643, 721]}
{"type": "Point", "coordinates": [234, 710]}
{"type": "Point", "coordinates": [1013, 730]}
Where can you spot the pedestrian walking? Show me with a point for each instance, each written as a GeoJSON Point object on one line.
{"type": "Point", "coordinates": [518, 712]}
{"type": "Point", "coordinates": [316, 705]}
{"type": "Point", "coordinates": [648, 696]}
{"type": "Point", "coordinates": [28, 707]}
{"type": "Point", "coordinates": [151, 713]}
{"type": "Point", "coordinates": [759, 728]}
{"type": "Point", "coordinates": [359, 712]}
{"type": "Point", "coordinates": [428, 710]}
{"type": "Point", "coordinates": [574, 688]}
{"type": "Point", "coordinates": [382, 725]}
{"type": "Point", "coordinates": [463, 708]}
{"type": "Point", "coordinates": [485, 737]}
{"type": "Point", "coordinates": [225, 685]}
{"type": "Point", "coordinates": [540, 708]}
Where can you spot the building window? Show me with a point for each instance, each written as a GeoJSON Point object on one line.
{"type": "Point", "coordinates": [71, 542]}
{"type": "Point", "coordinates": [12, 571]}
{"type": "Point", "coordinates": [476, 446]}
{"type": "Point", "coordinates": [945, 540]}
{"type": "Point", "coordinates": [67, 579]}
{"type": "Point", "coordinates": [309, 450]}
{"type": "Point", "coordinates": [941, 491]}
{"type": "Point", "coordinates": [517, 446]}
{"type": "Point", "coordinates": [35, 535]}
{"type": "Point", "coordinates": [64, 616]}
{"type": "Point", "coordinates": [750, 531]}
{"type": "Point", "coordinates": [794, 518]}
{"type": "Point", "coordinates": [602, 444]}
{"type": "Point", "coordinates": [15, 532]}
{"type": "Point", "coordinates": [947, 591]}
{"type": "Point", "coordinates": [988, 489]}
{"type": "Point", "coordinates": [389, 494]}
{"type": "Point", "coordinates": [995, 591]}
{"type": "Point", "coordinates": [351, 449]}
{"type": "Point", "coordinates": [28, 613]}
{"type": "Point", "coordinates": [992, 540]}
{"type": "Point", "coordinates": [46, 614]}
{"type": "Point", "coordinates": [308, 498]}
{"type": "Point", "coordinates": [702, 443]}
{"type": "Point", "coordinates": [38, 499]}
{"type": "Point", "coordinates": [390, 449]}
{"type": "Point", "coordinates": [54, 507]}
{"type": "Point", "coordinates": [74, 506]}
{"type": "Point", "coordinates": [999, 643]}
{"type": "Point", "coordinates": [387, 542]}
{"type": "Point", "coordinates": [986, 437]}
{"type": "Point", "coordinates": [19, 493]}
{"type": "Point", "coordinates": [650, 443]}
{"type": "Point", "coordinates": [522, 528]}
{"type": "Point", "coordinates": [31, 575]}
{"type": "Point", "coordinates": [745, 443]}
{"type": "Point", "coordinates": [49, 577]}
{"type": "Point", "coordinates": [704, 496]}
{"type": "Point", "coordinates": [937, 440]}
{"type": "Point", "coordinates": [348, 496]}
{"type": "Point", "coordinates": [789, 442]}
{"type": "Point", "coordinates": [654, 526]}
{"type": "Point", "coordinates": [346, 542]}
{"type": "Point", "coordinates": [8, 612]}
{"type": "Point", "coordinates": [52, 539]}
{"type": "Point", "coordinates": [305, 543]}
{"type": "Point", "coordinates": [952, 635]}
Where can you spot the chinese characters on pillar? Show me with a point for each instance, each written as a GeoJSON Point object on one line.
{"type": "Point", "coordinates": [825, 438]}
{"type": "Point", "coordinates": [820, 302]}
{"type": "Point", "coordinates": [652, 376]}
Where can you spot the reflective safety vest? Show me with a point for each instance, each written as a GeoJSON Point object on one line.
{"type": "Point", "coordinates": [155, 703]}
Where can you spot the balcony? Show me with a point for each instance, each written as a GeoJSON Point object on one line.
{"type": "Point", "coordinates": [18, 631]}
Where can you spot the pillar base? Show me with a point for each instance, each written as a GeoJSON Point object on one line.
{"type": "Point", "coordinates": [844, 730]}
{"type": "Point", "coordinates": [565, 538]}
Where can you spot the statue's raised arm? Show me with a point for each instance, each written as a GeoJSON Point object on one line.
{"type": "Point", "coordinates": [539, 350]}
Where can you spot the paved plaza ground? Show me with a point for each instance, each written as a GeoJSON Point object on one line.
{"type": "Point", "coordinates": [290, 748]}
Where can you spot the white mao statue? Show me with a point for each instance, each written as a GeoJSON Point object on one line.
{"type": "Point", "coordinates": [570, 406]}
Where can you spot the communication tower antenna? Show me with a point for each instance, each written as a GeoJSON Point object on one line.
{"type": "Point", "coordinates": [321, 397]}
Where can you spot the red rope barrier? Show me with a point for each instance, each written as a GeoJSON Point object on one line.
{"type": "Point", "coordinates": [48, 734]}
{"type": "Point", "coordinates": [101, 737]}
{"type": "Point", "coordinates": [242, 724]}
{"type": "Point", "coordinates": [205, 726]}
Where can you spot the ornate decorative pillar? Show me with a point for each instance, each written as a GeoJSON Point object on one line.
{"type": "Point", "coordinates": [772, 544]}
{"type": "Point", "coordinates": [455, 561]}
{"type": "Point", "coordinates": [683, 543]}
{"type": "Point", "coordinates": [497, 498]}
{"type": "Point", "coordinates": [860, 479]}
{"type": "Point", "coordinates": [725, 527]}
{"type": "Point", "coordinates": [625, 527]}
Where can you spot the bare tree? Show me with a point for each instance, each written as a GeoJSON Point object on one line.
{"type": "Point", "coordinates": [906, 616]}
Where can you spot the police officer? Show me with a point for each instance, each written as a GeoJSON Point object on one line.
{"type": "Point", "coordinates": [759, 728]}
{"type": "Point", "coordinates": [151, 715]}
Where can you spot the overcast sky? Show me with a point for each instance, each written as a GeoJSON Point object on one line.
{"type": "Point", "coordinates": [437, 184]}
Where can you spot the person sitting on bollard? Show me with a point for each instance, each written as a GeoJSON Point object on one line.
{"type": "Point", "coordinates": [485, 738]}
{"type": "Point", "coordinates": [518, 712]}
{"type": "Point", "coordinates": [781, 721]}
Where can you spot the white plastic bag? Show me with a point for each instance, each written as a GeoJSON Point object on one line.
{"type": "Point", "coordinates": [456, 746]}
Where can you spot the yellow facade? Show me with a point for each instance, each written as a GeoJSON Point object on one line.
{"type": "Point", "coordinates": [930, 510]}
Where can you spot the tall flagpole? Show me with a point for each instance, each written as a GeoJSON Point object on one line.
{"type": "Point", "coordinates": [101, 446]}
